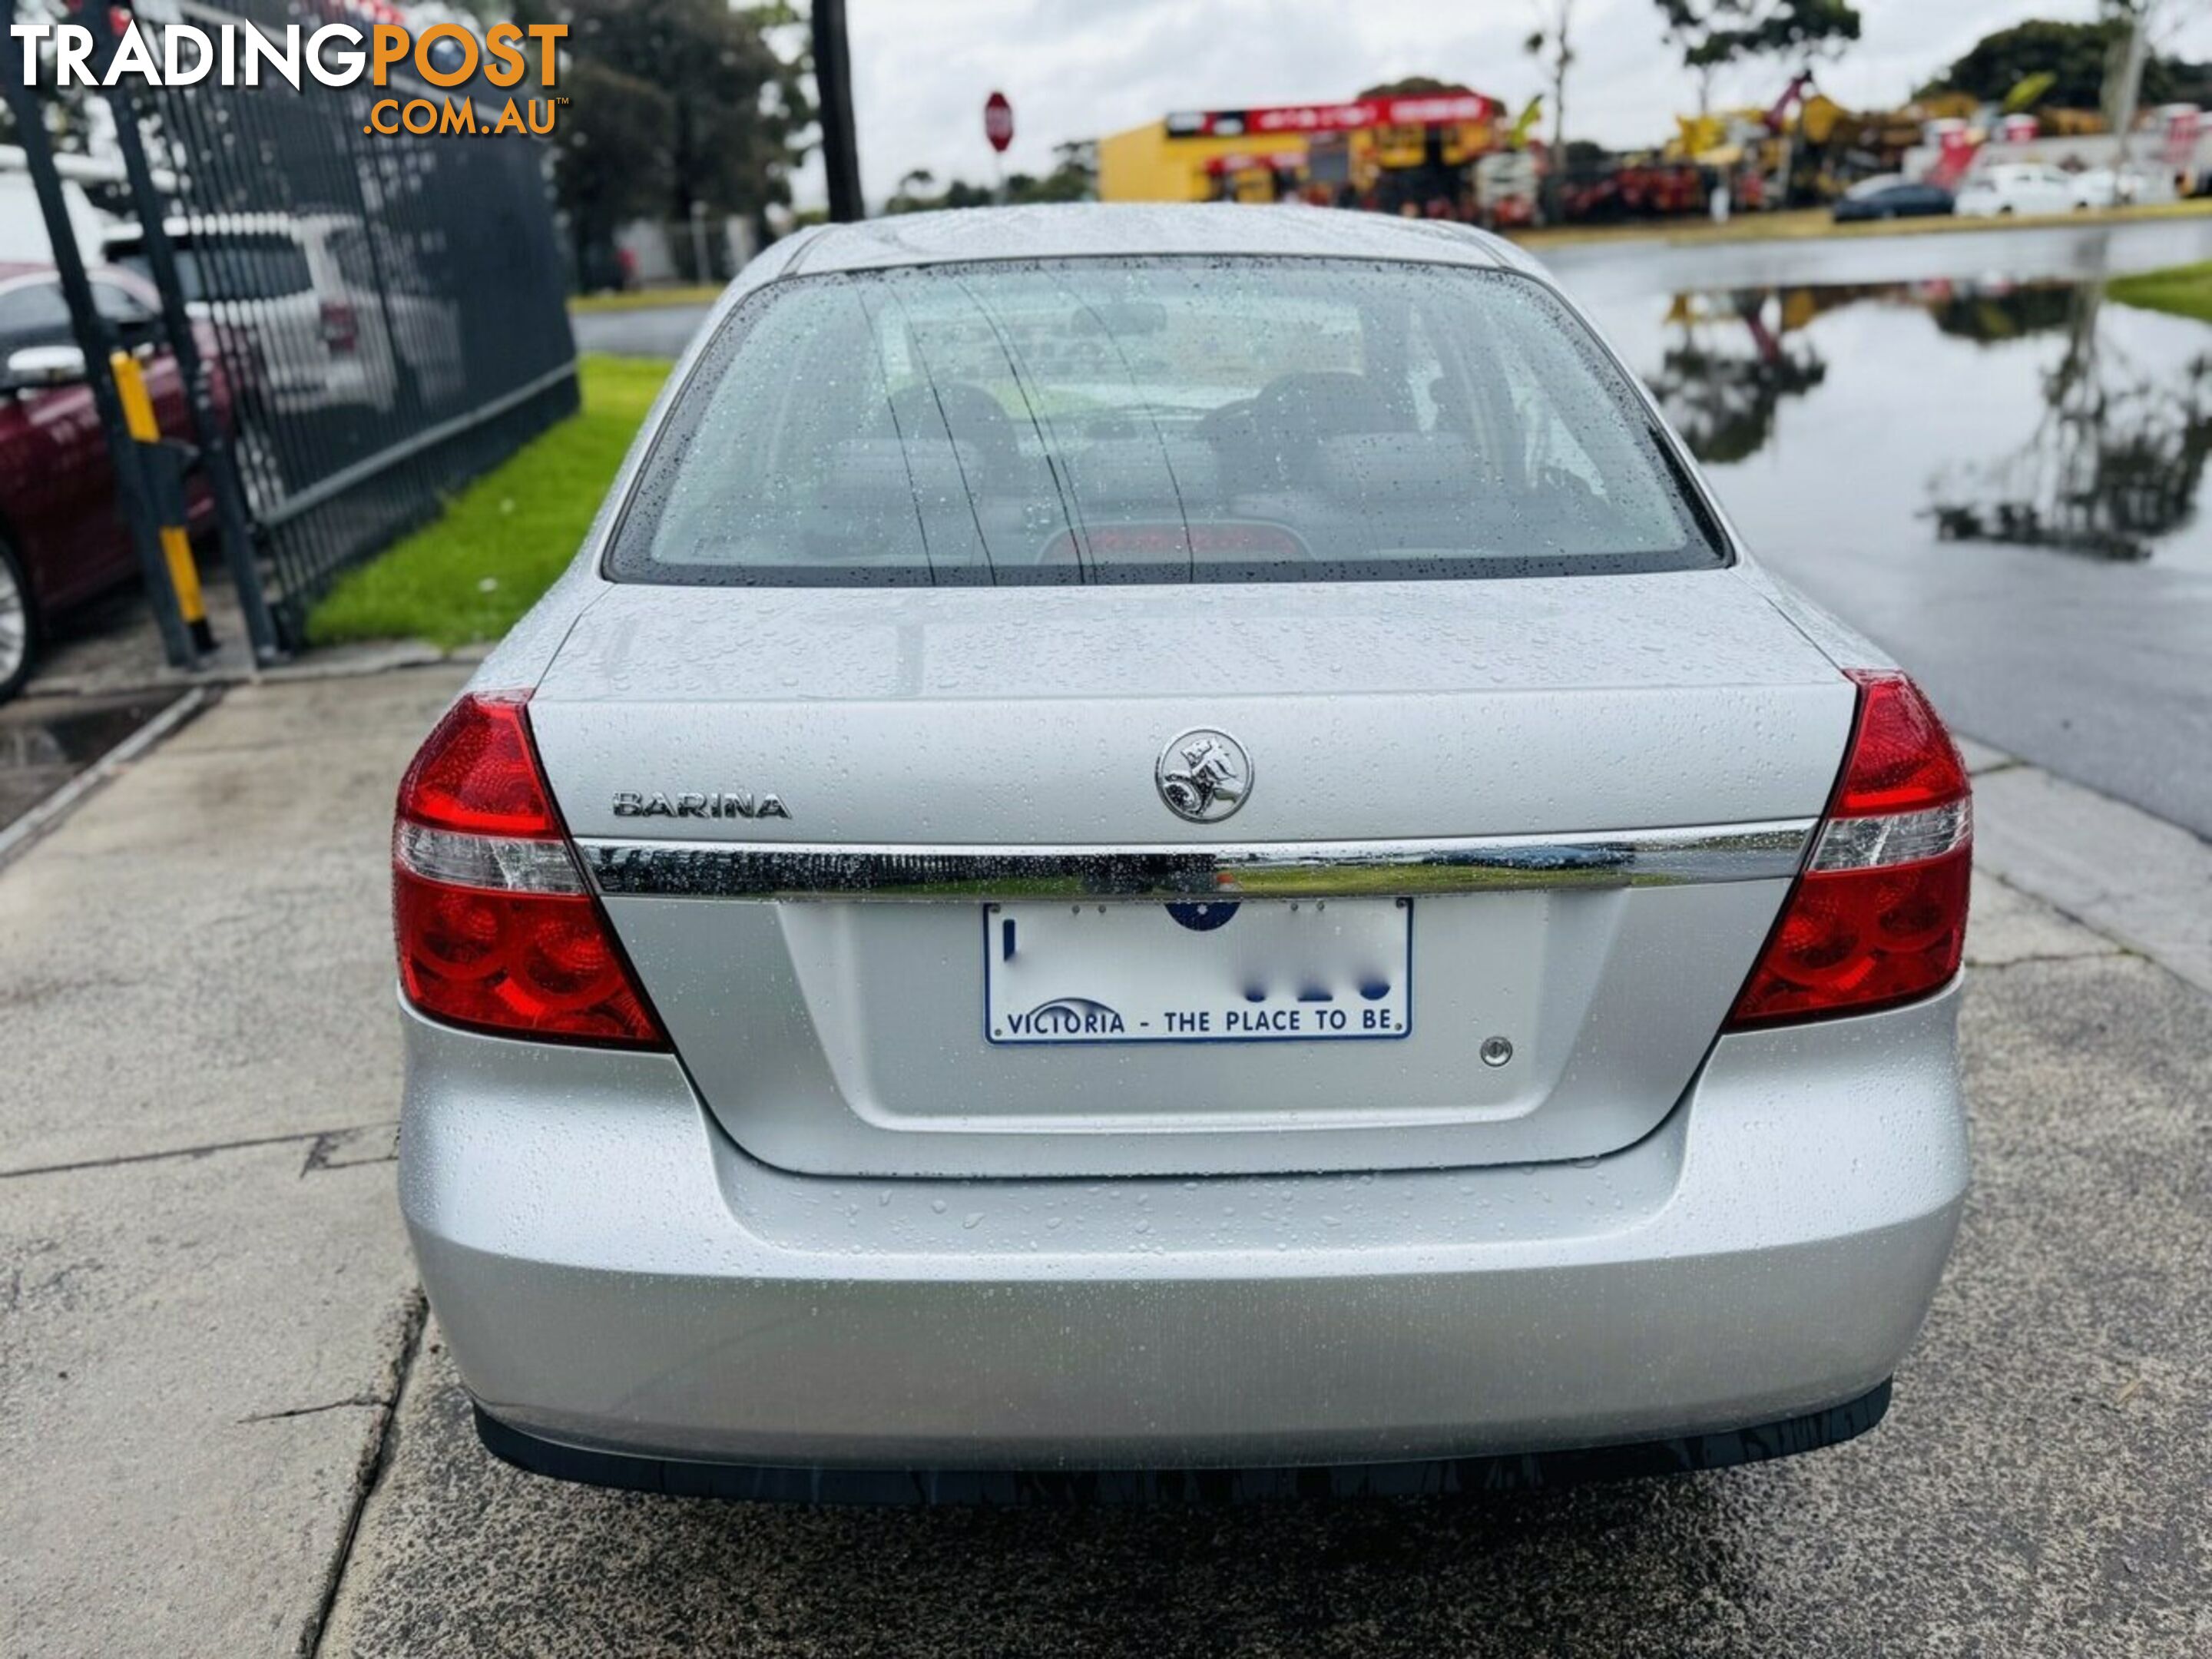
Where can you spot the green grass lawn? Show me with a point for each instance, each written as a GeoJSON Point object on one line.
{"type": "Point", "coordinates": [2184, 290]}
{"type": "Point", "coordinates": [647, 299]}
{"type": "Point", "coordinates": [503, 539]}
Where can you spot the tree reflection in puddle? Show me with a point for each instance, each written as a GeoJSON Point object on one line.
{"type": "Point", "coordinates": [1731, 361]}
{"type": "Point", "coordinates": [2093, 443]}
{"type": "Point", "coordinates": [2115, 460]}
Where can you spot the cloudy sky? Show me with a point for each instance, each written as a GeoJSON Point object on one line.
{"type": "Point", "coordinates": [1077, 68]}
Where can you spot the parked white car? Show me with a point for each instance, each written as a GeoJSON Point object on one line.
{"type": "Point", "coordinates": [23, 236]}
{"type": "Point", "coordinates": [1510, 1039]}
{"type": "Point", "coordinates": [2015, 187]}
{"type": "Point", "coordinates": [304, 290]}
{"type": "Point", "coordinates": [2110, 188]}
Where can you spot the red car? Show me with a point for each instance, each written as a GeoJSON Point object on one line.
{"type": "Point", "coordinates": [62, 540]}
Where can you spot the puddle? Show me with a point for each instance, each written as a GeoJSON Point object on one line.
{"type": "Point", "coordinates": [1928, 414]}
{"type": "Point", "coordinates": [46, 741]}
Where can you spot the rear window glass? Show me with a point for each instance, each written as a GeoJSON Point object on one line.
{"type": "Point", "coordinates": [33, 315]}
{"type": "Point", "coordinates": [1154, 420]}
{"type": "Point", "coordinates": [233, 267]}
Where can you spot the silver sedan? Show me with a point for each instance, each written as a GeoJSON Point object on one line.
{"type": "Point", "coordinates": [1166, 853]}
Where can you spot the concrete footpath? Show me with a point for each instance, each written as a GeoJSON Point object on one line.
{"type": "Point", "coordinates": [206, 1302]}
{"type": "Point", "coordinates": [226, 1430]}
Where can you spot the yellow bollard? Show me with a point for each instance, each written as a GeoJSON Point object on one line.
{"type": "Point", "coordinates": [176, 545]}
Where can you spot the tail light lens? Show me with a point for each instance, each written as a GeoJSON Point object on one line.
{"type": "Point", "coordinates": [341, 328]}
{"type": "Point", "coordinates": [1879, 916]}
{"type": "Point", "coordinates": [495, 927]}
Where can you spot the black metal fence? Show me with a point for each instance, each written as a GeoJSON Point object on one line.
{"type": "Point", "coordinates": [385, 308]}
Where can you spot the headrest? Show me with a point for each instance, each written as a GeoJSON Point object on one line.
{"type": "Point", "coordinates": [1145, 472]}
{"type": "Point", "coordinates": [879, 474]}
{"type": "Point", "coordinates": [1426, 464]}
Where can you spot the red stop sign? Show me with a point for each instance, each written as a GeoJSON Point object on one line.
{"type": "Point", "coordinates": [998, 121]}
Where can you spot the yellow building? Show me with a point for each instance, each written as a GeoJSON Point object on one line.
{"type": "Point", "coordinates": [1144, 165]}
{"type": "Point", "coordinates": [1269, 152]}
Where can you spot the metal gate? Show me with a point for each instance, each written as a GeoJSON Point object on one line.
{"type": "Point", "coordinates": [383, 312]}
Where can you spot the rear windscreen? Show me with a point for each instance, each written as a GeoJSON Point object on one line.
{"type": "Point", "coordinates": [1155, 420]}
{"type": "Point", "coordinates": [233, 267]}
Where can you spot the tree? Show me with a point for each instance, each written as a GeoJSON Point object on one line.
{"type": "Point", "coordinates": [2138, 26]}
{"type": "Point", "coordinates": [1548, 43]}
{"type": "Point", "coordinates": [1715, 34]}
{"type": "Point", "coordinates": [677, 103]}
{"type": "Point", "coordinates": [2115, 465]}
{"type": "Point", "coordinates": [611, 159]}
{"type": "Point", "coordinates": [913, 194]}
{"type": "Point", "coordinates": [1411, 86]}
{"type": "Point", "coordinates": [1073, 178]}
{"type": "Point", "coordinates": [2075, 54]}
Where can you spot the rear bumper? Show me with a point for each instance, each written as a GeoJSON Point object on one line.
{"type": "Point", "coordinates": [614, 1276]}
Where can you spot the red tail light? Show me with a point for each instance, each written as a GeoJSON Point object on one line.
{"type": "Point", "coordinates": [341, 328]}
{"type": "Point", "coordinates": [495, 927]}
{"type": "Point", "coordinates": [1879, 916]}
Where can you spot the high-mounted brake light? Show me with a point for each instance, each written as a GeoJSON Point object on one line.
{"type": "Point", "coordinates": [1879, 916]}
{"type": "Point", "coordinates": [495, 926]}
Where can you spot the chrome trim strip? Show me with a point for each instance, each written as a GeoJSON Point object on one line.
{"type": "Point", "coordinates": [1628, 858]}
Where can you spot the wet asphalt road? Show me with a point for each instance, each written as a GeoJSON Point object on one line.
{"type": "Point", "coordinates": [1842, 395]}
{"type": "Point", "coordinates": [649, 331]}
{"type": "Point", "coordinates": [2097, 671]}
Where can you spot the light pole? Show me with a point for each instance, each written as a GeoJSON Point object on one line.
{"type": "Point", "coordinates": [833, 93]}
{"type": "Point", "coordinates": [2122, 98]}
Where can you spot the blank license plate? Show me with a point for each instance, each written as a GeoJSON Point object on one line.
{"type": "Point", "coordinates": [1211, 971]}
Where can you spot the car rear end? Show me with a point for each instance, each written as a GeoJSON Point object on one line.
{"type": "Point", "coordinates": [254, 277]}
{"type": "Point", "coordinates": [1287, 902]}
{"type": "Point", "coordinates": [1986, 195]}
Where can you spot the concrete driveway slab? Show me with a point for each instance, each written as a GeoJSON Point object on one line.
{"type": "Point", "coordinates": [2005, 926]}
{"type": "Point", "coordinates": [1980, 758]}
{"type": "Point", "coordinates": [202, 956]}
{"type": "Point", "coordinates": [2138, 878]}
{"type": "Point", "coordinates": [197, 1356]}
